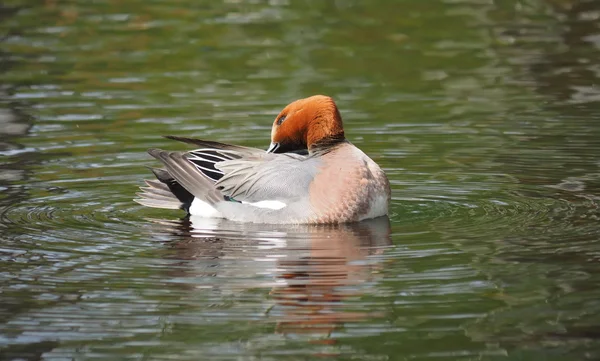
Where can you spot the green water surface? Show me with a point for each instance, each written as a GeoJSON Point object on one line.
{"type": "Point", "coordinates": [485, 116]}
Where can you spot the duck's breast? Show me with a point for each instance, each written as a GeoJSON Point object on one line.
{"type": "Point", "coordinates": [349, 186]}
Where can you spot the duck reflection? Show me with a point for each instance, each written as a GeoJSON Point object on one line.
{"type": "Point", "coordinates": [311, 270]}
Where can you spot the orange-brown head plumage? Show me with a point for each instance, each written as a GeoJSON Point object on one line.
{"type": "Point", "coordinates": [305, 123]}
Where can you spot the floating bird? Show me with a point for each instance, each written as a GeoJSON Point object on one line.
{"type": "Point", "coordinates": [311, 174]}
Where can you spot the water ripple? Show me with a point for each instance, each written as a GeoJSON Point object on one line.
{"type": "Point", "coordinates": [483, 115]}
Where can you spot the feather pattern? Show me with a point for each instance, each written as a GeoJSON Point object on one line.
{"type": "Point", "coordinates": [186, 174]}
{"type": "Point", "coordinates": [158, 195]}
{"type": "Point", "coordinates": [250, 174]}
{"type": "Point", "coordinates": [273, 176]}
{"type": "Point", "coordinates": [205, 159]}
{"type": "Point", "coordinates": [220, 172]}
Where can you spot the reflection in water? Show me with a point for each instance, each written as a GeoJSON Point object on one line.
{"type": "Point", "coordinates": [313, 269]}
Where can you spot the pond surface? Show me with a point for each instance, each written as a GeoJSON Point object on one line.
{"type": "Point", "coordinates": [485, 115]}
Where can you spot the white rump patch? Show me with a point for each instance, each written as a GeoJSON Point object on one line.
{"type": "Point", "coordinates": [268, 204]}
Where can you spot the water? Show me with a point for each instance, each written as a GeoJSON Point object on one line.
{"type": "Point", "coordinates": [485, 116]}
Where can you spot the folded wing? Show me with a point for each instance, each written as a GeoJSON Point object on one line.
{"type": "Point", "coordinates": [221, 172]}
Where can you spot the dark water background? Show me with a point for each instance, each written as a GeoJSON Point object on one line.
{"type": "Point", "coordinates": [484, 114]}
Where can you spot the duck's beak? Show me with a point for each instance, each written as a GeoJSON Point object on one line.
{"type": "Point", "coordinates": [273, 147]}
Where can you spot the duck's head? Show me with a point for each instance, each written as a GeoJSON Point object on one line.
{"type": "Point", "coordinates": [305, 124]}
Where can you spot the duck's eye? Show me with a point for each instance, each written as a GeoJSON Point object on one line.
{"type": "Point", "coordinates": [281, 119]}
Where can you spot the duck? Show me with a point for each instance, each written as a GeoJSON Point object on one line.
{"type": "Point", "coordinates": [310, 174]}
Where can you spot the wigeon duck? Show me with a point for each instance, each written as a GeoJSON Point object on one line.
{"type": "Point", "coordinates": [310, 174]}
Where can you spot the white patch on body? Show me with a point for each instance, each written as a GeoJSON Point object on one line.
{"type": "Point", "coordinates": [203, 209]}
{"type": "Point", "coordinates": [378, 208]}
{"type": "Point", "coordinates": [267, 204]}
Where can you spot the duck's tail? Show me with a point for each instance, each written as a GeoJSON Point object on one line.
{"type": "Point", "coordinates": [165, 192]}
